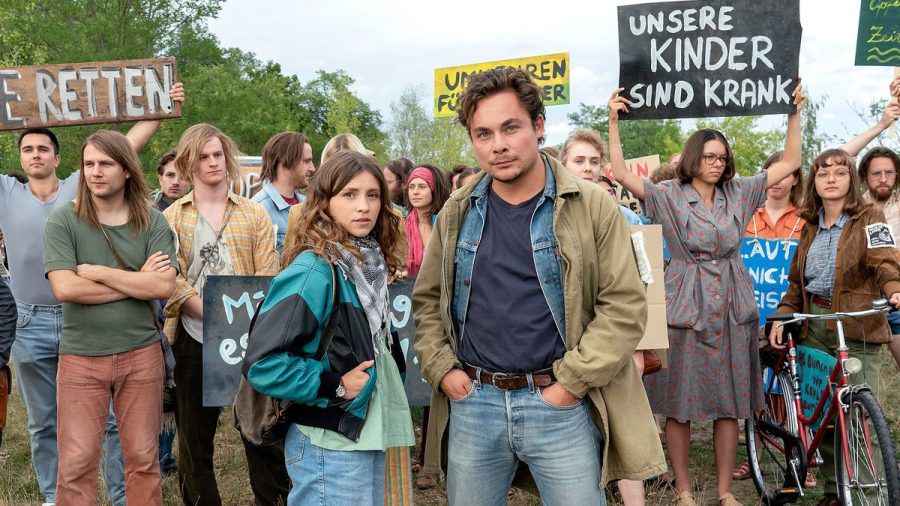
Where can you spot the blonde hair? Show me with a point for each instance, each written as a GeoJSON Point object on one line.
{"type": "Point", "coordinates": [137, 191]}
{"type": "Point", "coordinates": [187, 156]}
{"type": "Point", "coordinates": [586, 136]}
{"type": "Point", "coordinates": [342, 142]}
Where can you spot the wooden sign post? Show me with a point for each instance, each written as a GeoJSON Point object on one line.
{"type": "Point", "coordinates": [85, 93]}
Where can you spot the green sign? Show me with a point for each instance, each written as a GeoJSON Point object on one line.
{"type": "Point", "coordinates": [878, 41]}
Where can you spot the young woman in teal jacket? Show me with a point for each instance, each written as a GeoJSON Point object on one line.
{"type": "Point", "coordinates": [347, 399]}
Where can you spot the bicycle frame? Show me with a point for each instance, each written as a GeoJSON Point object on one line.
{"type": "Point", "coordinates": [839, 377]}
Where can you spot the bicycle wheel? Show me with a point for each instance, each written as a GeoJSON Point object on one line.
{"type": "Point", "coordinates": [773, 449]}
{"type": "Point", "coordinates": [873, 477]}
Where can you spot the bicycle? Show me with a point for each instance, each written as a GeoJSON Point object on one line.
{"type": "Point", "coordinates": [781, 447]}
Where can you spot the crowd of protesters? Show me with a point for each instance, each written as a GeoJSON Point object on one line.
{"type": "Point", "coordinates": [528, 304]}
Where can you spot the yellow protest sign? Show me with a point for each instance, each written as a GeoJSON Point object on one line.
{"type": "Point", "coordinates": [549, 71]}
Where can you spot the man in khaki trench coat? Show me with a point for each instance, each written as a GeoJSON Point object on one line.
{"type": "Point", "coordinates": [528, 308]}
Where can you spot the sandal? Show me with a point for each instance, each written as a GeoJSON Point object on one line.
{"type": "Point", "coordinates": [742, 472]}
{"type": "Point", "coordinates": [729, 500]}
{"type": "Point", "coordinates": [684, 499]}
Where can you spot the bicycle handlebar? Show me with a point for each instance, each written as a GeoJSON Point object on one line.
{"type": "Point", "coordinates": [878, 306]}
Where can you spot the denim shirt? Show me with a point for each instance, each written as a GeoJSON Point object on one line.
{"type": "Point", "coordinates": [278, 210]}
{"type": "Point", "coordinates": [543, 243]}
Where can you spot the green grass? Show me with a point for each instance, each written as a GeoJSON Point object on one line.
{"type": "Point", "coordinates": [19, 487]}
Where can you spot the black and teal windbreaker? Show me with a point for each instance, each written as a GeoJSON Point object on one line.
{"type": "Point", "coordinates": [280, 360]}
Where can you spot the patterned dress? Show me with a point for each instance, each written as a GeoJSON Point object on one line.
{"type": "Point", "coordinates": [713, 367]}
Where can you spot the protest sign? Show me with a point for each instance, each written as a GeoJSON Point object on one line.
{"type": "Point", "coordinates": [768, 261]}
{"type": "Point", "coordinates": [550, 72]}
{"type": "Point", "coordinates": [250, 182]}
{"type": "Point", "coordinates": [86, 93]}
{"type": "Point", "coordinates": [229, 303]}
{"type": "Point", "coordinates": [709, 58]}
{"type": "Point", "coordinates": [643, 167]}
{"type": "Point", "coordinates": [656, 333]}
{"type": "Point", "coordinates": [814, 367]}
{"type": "Point", "coordinates": [878, 39]}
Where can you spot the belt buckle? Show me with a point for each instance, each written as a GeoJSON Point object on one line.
{"type": "Point", "coordinates": [502, 377]}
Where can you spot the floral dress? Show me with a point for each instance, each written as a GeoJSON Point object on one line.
{"type": "Point", "coordinates": [713, 369]}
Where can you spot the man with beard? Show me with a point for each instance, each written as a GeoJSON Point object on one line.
{"type": "Point", "coordinates": [879, 170]}
{"type": "Point", "coordinates": [287, 163]}
{"type": "Point", "coordinates": [171, 186]}
{"type": "Point", "coordinates": [396, 172]}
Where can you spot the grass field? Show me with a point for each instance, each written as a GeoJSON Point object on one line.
{"type": "Point", "coordinates": [18, 485]}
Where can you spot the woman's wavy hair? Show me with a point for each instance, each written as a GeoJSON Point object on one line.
{"type": "Point", "coordinates": [692, 156]}
{"type": "Point", "coordinates": [812, 202]}
{"type": "Point", "coordinates": [317, 232]}
{"type": "Point", "coordinates": [137, 191]}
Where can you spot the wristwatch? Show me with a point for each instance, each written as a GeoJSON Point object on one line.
{"type": "Point", "coordinates": [341, 391]}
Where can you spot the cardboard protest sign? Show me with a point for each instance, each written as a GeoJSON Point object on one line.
{"type": "Point", "coordinates": [878, 39]}
{"type": "Point", "coordinates": [86, 93]}
{"type": "Point", "coordinates": [656, 334]}
{"type": "Point", "coordinates": [815, 370]}
{"type": "Point", "coordinates": [550, 72]}
{"type": "Point", "coordinates": [643, 167]}
{"type": "Point", "coordinates": [709, 58]}
{"type": "Point", "coordinates": [229, 303]}
{"type": "Point", "coordinates": [250, 182]}
{"type": "Point", "coordinates": [768, 262]}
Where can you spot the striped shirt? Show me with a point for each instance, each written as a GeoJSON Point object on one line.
{"type": "Point", "coordinates": [251, 246]}
{"type": "Point", "coordinates": [822, 256]}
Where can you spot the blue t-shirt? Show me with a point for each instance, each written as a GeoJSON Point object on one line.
{"type": "Point", "coordinates": [509, 326]}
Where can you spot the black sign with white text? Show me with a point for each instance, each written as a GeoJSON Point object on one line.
{"type": "Point", "coordinates": [709, 58]}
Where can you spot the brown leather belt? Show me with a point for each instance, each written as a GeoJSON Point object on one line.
{"type": "Point", "coordinates": [515, 381]}
{"type": "Point", "coordinates": [821, 301]}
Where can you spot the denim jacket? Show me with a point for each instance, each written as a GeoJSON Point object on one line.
{"type": "Point", "coordinates": [543, 244]}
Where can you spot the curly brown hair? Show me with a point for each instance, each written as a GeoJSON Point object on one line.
{"type": "Point", "coordinates": [316, 231]}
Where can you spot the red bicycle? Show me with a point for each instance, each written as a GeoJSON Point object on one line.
{"type": "Point", "coordinates": [781, 446]}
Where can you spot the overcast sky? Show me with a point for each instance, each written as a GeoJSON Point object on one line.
{"type": "Point", "coordinates": [386, 46]}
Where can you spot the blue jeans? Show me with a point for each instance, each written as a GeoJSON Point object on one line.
{"type": "Point", "coordinates": [491, 430]}
{"type": "Point", "coordinates": [894, 322]}
{"type": "Point", "coordinates": [166, 457]}
{"type": "Point", "coordinates": [35, 356]}
{"type": "Point", "coordinates": [322, 477]}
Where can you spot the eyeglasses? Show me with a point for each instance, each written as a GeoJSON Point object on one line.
{"type": "Point", "coordinates": [887, 174]}
{"type": "Point", "coordinates": [839, 173]}
{"type": "Point", "coordinates": [710, 159]}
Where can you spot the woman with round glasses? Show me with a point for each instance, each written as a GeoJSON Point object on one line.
{"type": "Point", "coordinates": [713, 371]}
{"type": "Point", "coordinates": [845, 260]}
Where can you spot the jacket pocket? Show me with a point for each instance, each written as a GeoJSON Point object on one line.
{"type": "Point", "coordinates": [682, 310]}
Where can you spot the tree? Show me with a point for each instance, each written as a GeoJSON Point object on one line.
{"type": "Point", "coordinates": [331, 108]}
{"type": "Point", "coordinates": [415, 134]}
{"type": "Point", "coordinates": [246, 98]}
{"type": "Point", "coordinates": [639, 137]}
{"type": "Point", "coordinates": [870, 115]}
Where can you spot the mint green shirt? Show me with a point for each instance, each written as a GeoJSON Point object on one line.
{"type": "Point", "coordinates": [388, 423]}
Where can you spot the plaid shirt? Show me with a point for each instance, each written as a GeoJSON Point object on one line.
{"type": "Point", "coordinates": [821, 260]}
{"type": "Point", "coordinates": [249, 235]}
{"type": "Point", "coordinates": [891, 210]}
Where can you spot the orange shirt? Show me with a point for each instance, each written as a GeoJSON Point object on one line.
{"type": "Point", "coordinates": [787, 227]}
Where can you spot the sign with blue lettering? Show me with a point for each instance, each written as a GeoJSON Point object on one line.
{"type": "Point", "coordinates": [229, 303]}
{"type": "Point", "coordinates": [814, 367]}
{"type": "Point", "coordinates": [768, 261]}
